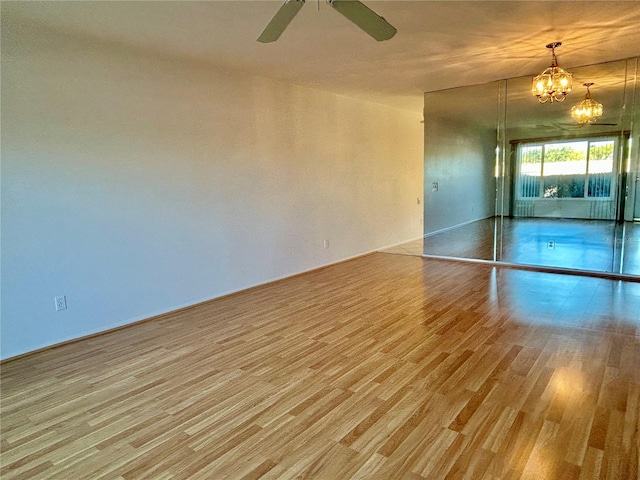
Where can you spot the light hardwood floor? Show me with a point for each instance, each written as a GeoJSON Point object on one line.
{"type": "Point", "coordinates": [383, 367]}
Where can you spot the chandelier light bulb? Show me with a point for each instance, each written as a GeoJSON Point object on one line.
{"type": "Point", "coordinates": [554, 84]}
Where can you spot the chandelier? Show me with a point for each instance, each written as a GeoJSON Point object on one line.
{"type": "Point", "coordinates": [588, 110]}
{"type": "Point", "coordinates": [554, 83]}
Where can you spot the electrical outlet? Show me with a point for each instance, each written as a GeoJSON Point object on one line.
{"type": "Point", "coordinates": [325, 244]}
{"type": "Point", "coordinates": [551, 244]}
{"type": "Point", "coordinates": [61, 303]}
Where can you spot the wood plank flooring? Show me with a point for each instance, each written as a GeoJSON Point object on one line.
{"type": "Point", "coordinates": [383, 367]}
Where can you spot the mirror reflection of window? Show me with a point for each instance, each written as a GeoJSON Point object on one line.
{"type": "Point", "coordinates": [530, 170]}
{"type": "Point", "coordinates": [600, 172]}
{"type": "Point", "coordinates": [581, 168]}
{"type": "Point", "coordinates": [564, 170]}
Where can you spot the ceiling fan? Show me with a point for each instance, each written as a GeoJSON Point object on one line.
{"type": "Point", "coordinates": [357, 12]}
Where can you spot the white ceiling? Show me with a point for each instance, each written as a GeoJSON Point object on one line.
{"type": "Point", "coordinates": [438, 44]}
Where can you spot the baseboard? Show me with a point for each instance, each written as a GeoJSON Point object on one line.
{"type": "Point", "coordinates": [180, 308]}
{"type": "Point", "coordinates": [446, 229]}
{"type": "Point", "coordinates": [421, 237]}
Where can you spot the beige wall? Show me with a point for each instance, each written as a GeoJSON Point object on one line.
{"type": "Point", "coordinates": [461, 160]}
{"type": "Point", "coordinates": [460, 155]}
{"type": "Point", "coordinates": [135, 184]}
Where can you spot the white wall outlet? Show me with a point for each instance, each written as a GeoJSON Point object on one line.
{"type": "Point", "coordinates": [551, 244]}
{"type": "Point", "coordinates": [61, 303]}
{"type": "Point", "coordinates": [435, 186]}
{"type": "Point", "coordinates": [325, 244]}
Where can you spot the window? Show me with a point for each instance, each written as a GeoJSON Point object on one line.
{"type": "Point", "coordinates": [567, 169]}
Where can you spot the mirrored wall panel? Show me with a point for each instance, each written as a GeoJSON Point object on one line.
{"type": "Point", "coordinates": [460, 171]}
{"type": "Point", "coordinates": [510, 179]}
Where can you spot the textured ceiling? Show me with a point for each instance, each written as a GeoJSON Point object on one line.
{"type": "Point", "coordinates": [438, 44]}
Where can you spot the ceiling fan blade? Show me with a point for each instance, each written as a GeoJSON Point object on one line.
{"type": "Point", "coordinates": [280, 21]}
{"type": "Point", "coordinates": [365, 18]}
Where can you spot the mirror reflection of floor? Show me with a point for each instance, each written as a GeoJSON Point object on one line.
{"type": "Point", "coordinates": [593, 245]}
